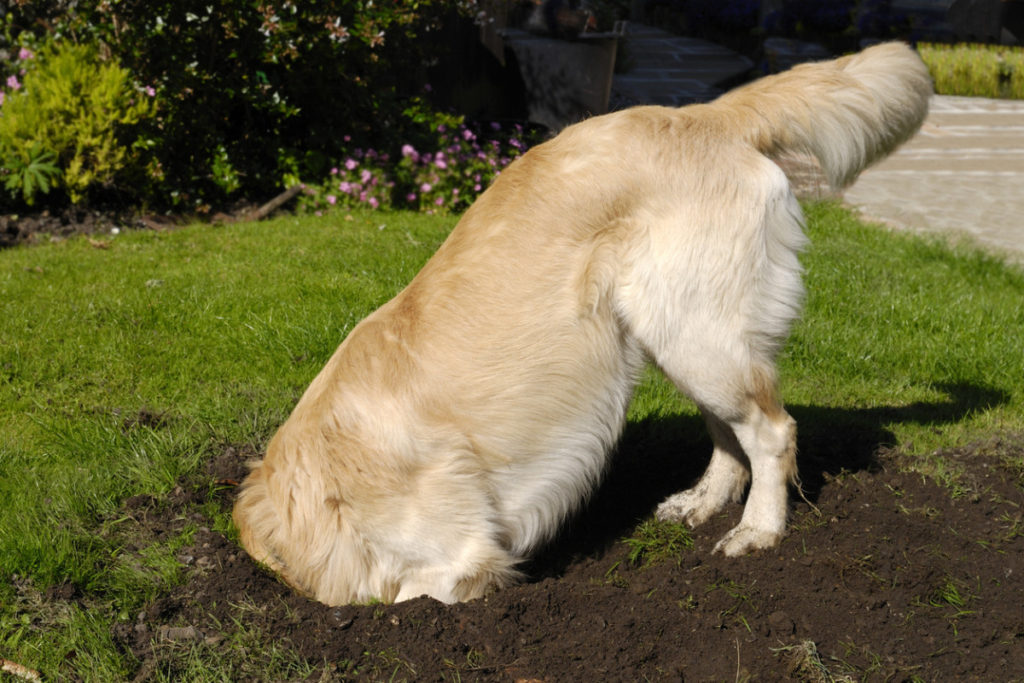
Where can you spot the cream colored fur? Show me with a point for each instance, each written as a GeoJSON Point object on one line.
{"type": "Point", "coordinates": [456, 427]}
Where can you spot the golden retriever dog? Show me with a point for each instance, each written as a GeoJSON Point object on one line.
{"type": "Point", "coordinates": [457, 426]}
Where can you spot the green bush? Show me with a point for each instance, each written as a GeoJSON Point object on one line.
{"type": "Point", "coordinates": [66, 122]}
{"type": "Point", "coordinates": [1014, 61]}
{"type": "Point", "coordinates": [255, 93]}
{"type": "Point", "coordinates": [975, 70]}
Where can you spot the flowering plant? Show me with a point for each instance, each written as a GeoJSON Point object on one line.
{"type": "Point", "coordinates": [16, 57]}
{"type": "Point", "coordinates": [444, 176]}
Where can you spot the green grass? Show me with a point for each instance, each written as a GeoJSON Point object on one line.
{"type": "Point", "coordinates": [122, 369]}
{"type": "Point", "coordinates": [916, 340]}
{"type": "Point", "coordinates": [654, 542]}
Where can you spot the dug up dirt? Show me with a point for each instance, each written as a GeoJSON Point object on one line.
{"type": "Point", "coordinates": [884, 575]}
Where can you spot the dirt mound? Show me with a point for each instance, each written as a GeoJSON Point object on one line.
{"type": "Point", "coordinates": [889, 576]}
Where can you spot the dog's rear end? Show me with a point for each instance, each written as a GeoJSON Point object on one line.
{"type": "Point", "coordinates": [848, 113]}
{"type": "Point", "coordinates": [455, 428]}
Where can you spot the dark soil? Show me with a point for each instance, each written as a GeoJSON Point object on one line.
{"type": "Point", "coordinates": [48, 226]}
{"type": "Point", "coordinates": [60, 224]}
{"type": "Point", "coordinates": [888, 577]}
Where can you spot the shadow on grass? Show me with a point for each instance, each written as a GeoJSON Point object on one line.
{"type": "Point", "coordinates": [657, 457]}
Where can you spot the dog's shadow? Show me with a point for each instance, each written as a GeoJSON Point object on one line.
{"type": "Point", "coordinates": [660, 456]}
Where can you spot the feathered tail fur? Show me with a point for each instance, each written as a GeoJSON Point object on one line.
{"type": "Point", "coordinates": [848, 113]}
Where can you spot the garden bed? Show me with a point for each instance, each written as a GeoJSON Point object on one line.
{"type": "Point", "coordinates": [886, 576]}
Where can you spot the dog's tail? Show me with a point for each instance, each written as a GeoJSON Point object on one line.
{"type": "Point", "coordinates": [847, 112]}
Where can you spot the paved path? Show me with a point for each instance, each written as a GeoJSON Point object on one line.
{"type": "Point", "coordinates": [673, 70]}
{"type": "Point", "coordinates": [962, 174]}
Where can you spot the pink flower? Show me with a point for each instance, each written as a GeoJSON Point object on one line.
{"type": "Point", "coordinates": [439, 201]}
{"type": "Point", "coordinates": [150, 91]}
{"type": "Point", "coordinates": [411, 197]}
{"type": "Point", "coordinates": [24, 53]}
{"type": "Point", "coordinates": [426, 187]}
{"type": "Point", "coordinates": [365, 176]}
{"type": "Point", "coordinates": [345, 187]}
{"type": "Point", "coordinates": [350, 164]}
{"type": "Point", "coordinates": [409, 151]}
{"type": "Point", "coordinates": [468, 135]}
{"type": "Point", "coordinates": [331, 199]}
{"type": "Point", "coordinates": [374, 203]}
{"type": "Point", "coordinates": [334, 171]}
{"type": "Point", "coordinates": [440, 163]}
{"type": "Point", "coordinates": [12, 83]}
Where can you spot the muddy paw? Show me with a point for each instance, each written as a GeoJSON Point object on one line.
{"type": "Point", "coordinates": [688, 506]}
{"type": "Point", "coordinates": [744, 539]}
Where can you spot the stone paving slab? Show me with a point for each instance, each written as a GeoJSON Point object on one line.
{"type": "Point", "coordinates": [963, 174]}
{"type": "Point", "coordinates": [672, 70]}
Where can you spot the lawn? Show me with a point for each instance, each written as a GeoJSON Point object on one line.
{"type": "Point", "coordinates": [126, 362]}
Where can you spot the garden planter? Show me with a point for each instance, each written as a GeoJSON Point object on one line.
{"type": "Point", "coordinates": [565, 80]}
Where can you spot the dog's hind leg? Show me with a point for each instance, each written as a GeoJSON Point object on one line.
{"type": "Point", "coordinates": [748, 427]}
{"type": "Point", "coordinates": [767, 435]}
{"type": "Point", "coordinates": [710, 293]}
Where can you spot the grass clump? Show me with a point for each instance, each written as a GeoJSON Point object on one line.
{"type": "Point", "coordinates": [654, 542]}
{"type": "Point", "coordinates": [805, 664]}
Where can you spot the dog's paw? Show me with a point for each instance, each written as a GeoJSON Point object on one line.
{"type": "Point", "coordinates": [692, 507]}
{"type": "Point", "coordinates": [743, 539]}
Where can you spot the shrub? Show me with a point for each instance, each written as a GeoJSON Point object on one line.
{"type": "Point", "coordinates": [260, 90]}
{"type": "Point", "coordinates": [442, 175]}
{"type": "Point", "coordinates": [65, 123]}
{"type": "Point", "coordinates": [975, 70]}
{"type": "Point", "coordinates": [252, 93]}
{"type": "Point", "coordinates": [1014, 62]}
